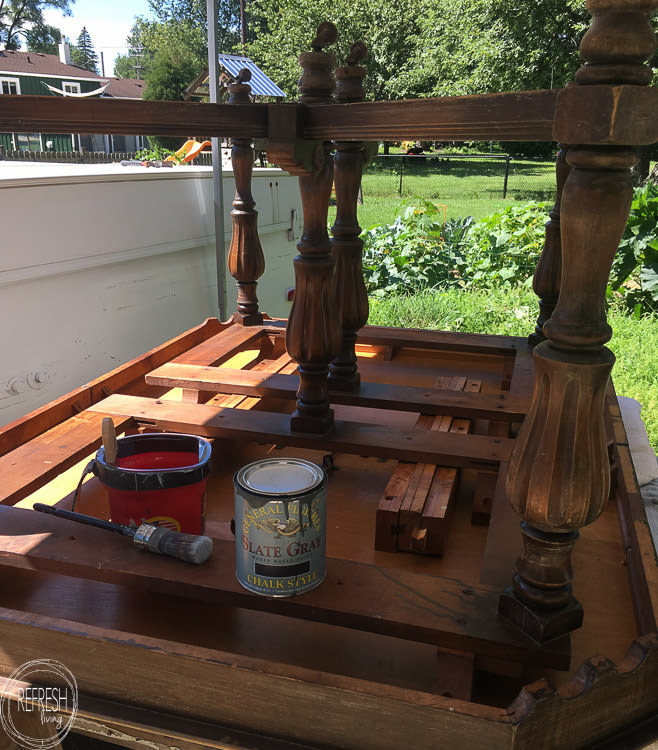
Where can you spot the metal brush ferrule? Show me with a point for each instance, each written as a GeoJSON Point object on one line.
{"type": "Point", "coordinates": [144, 534]}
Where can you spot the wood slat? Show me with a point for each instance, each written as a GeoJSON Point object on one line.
{"type": "Point", "coordinates": [48, 416]}
{"type": "Point", "coordinates": [473, 451]}
{"type": "Point", "coordinates": [520, 116]}
{"type": "Point", "coordinates": [374, 395]}
{"type": "Point", "coordinates": [31, 465]}
{"type": "Point", "coordinates": [222, 346]}
{"type": "Point", "coordinates": [49, 114]}
{"type": "Point", "coordinates": [391, 602]}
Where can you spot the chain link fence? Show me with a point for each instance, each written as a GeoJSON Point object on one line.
{"type": "Point", "coordinates": [458, 176]}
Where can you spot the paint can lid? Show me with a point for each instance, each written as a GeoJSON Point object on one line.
{"type": "Point", "coordinates": [280, 477]}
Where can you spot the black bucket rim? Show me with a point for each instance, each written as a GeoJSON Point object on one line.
{"type": "Point", "coordinates": [120, 478]}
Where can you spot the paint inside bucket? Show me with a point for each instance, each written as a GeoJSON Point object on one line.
{"type": "Point", "coordinates": [158, 478]}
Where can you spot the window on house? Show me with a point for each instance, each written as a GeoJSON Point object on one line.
{"type": "Point", "coordinates": [71, 88]}
{"type": "Point", "coordinates": [10, 86]}
{"type": "Point", "coordinates": [28, 141]}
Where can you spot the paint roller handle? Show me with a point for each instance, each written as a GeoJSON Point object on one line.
{"type": "Point", "coordinates": [188, 547]}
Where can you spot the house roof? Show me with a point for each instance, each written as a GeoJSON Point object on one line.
{"type": "Point", "coordinates": [125, 88]}
{"type": "Point", "coordinates": [37, 63]}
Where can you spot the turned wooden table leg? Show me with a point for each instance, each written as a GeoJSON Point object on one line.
{"type": "Point", "coordinates": [546, 281]}
{"type": "Point", "coordinates": [246, 262]}
{"type": "Point", "coordinates": [313, 335]}
{"type": "Point", "coordinates": [559, 473]}
{"type": "Point", "coordinates": [351, 295]}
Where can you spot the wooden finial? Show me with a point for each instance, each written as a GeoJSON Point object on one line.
{"type": "Point", "coordinates": [317, 83]}
{"type": "Point", "coordinates": [325, 34]}
{"type": "Point", "coordinates": [349, 79]}
{"type": "Point", "coordinates": [240, 90]}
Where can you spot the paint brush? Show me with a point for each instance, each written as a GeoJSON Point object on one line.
{"type": "Point", "coordinates": [109, 441]}
{"type": "Point", "coordinates": [188, 547]}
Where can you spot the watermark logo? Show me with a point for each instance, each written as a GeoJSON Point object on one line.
{"type": "Point", "coordinates": [39, 697]}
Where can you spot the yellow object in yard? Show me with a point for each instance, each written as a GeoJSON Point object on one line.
{"type": "Point", "coordinates": [188, 151]}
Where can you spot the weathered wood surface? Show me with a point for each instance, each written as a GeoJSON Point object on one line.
{"type": "Point", "coordinates": [375, 395]}
{"type": "Point", "coordinates": [525, 116]}
{"type": "Point", "coordinates": [48, 416]}
{"type": "Point", "coordinates": [474, 451]}
{"type": "Point", "coordinates": [31, 465]}
{"type": "Point", "coordinates": [381, 600]}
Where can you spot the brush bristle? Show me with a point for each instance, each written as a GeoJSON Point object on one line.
{"type": "Point", "coordinates": [189, 547]}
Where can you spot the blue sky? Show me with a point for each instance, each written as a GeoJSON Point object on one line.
{"type": "Point", "coordinates": [108, 23]}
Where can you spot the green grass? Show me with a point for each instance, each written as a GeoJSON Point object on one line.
{"type": "Point", "coordinates": [467, 188]}
{"type": "Point", "coordinates": [513, 312]}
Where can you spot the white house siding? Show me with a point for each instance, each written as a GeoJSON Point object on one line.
{"type": "Point", "coordinates": [101, 263]}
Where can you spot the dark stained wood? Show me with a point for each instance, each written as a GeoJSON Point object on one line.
{"type": "Point", "coordinates": [523, 116]}
{"type": "Point", "coordinates": [313, 334]}
{"type": "Point", "coordinates": [246, 261]}
{"type": "Point", "coordinates": [366, 597]}
{"type": "Point", "coordinates": [474, 451]}
{"type": "Point", "coordinates": [219, 348]}
{"type": "Point", "coordinates": [351, 296]}
{"type": "Point", "coordinates": [50, 114]}
{"type": "Point", "coordinates": [499, 406]}
{"type": "Point", "coordinates": [546, 279]}
{"type": "Point", "coordinates": [559, 472]}
{"type": "Point", "coordinates": [625, 115]}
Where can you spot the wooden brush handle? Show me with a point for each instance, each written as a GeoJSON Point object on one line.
{"type": "Point", "coordinates": [109, 441]}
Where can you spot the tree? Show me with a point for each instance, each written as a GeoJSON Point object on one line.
{"type": "Point", "coordinates": [284, 28]}
{"type": "Point", "coordinates": [194, 12]}
{"type": "Point", "coordinates": [137, 62]}
{"type": "Point", "coordinates": [18, 17]}
{"type": "Point", "coordinates": [485, 46]}
{"type": "Point", "coordinates": [83, 54]}
{"type": "Point", "coordinates": [43, 38]}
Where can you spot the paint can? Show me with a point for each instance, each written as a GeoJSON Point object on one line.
{"type": "Point", "coordinates": [280, 526]}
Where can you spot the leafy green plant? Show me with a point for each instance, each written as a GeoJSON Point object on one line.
{"type": "Point", "coordinates": [411, 253]}
{"type": "Point", "coordinates": [503, 249]}
{"type": "Point", "coordinates": [154, 153]}
{"type": "Point", "coordinates": [634, 275]}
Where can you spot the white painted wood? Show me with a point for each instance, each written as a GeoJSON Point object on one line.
{"type": "Point", "coordinates": [101, 263]}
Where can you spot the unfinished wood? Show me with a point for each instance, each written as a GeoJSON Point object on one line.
{"type": "Point", "coordinates": [31, 465]}
{"type": "Point", "coordinates": [49, 114]}
{"type": "Point", "coordinates": [408, 605]}
{"type": "Point", "coordinates": [221, 346]}
{"type": "Point", "coordinates": [474, 451]}
{"type": "Point", "coordinates": [501, 406]}
{"type": "Point", "coordinates": [42, 419]}
{"type": "Point", "coordinates": [387, 524]}
{"type": "Point", "coordinates": [520, 116]}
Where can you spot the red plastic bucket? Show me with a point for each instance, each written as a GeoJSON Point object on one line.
{"type": "Point", "coordinates": [158, 478]}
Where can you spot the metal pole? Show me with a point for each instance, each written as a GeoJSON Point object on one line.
{"type": "Point", "coordinates": [401, 170]}
{"type": "Point", "coordinates": [217, 177]}
{"type": "Point", "coordinates": [506, 176]}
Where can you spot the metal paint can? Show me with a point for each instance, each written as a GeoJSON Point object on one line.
{"type": "Point", "coordinates": [280, 526]}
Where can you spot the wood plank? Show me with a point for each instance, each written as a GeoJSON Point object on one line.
{"type": "Point", "coordinates": [485, 485]}
{"type": "Point", "coordinates": [387, 519]}
{"type": "Point", "coordinates": [42, 419]}
{"type": "Point", "coordinates": [28, 467]}
{"type": "Point", "coordinates": [519, 116]}
{"type": "Point", "coordinates": [499, 406]}
{"type": "Point", "coordinates": [454, 673]}
{"type": "Point", "coordinates": [238, 690]}
{"type": "Point", "coordinates": [388, 601]}
{"type": "Point", "coordinates": [48, 114]}
{"type": "Point", "coordinates": [473, 451]}
{"type": "Point", "coordinates": [221, 346]}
